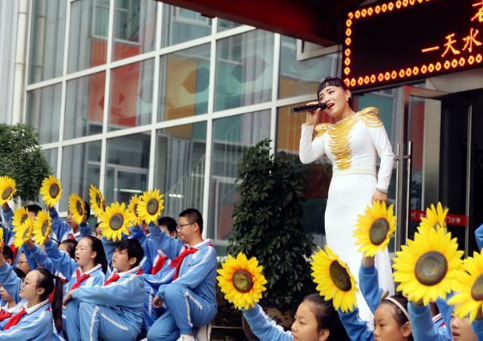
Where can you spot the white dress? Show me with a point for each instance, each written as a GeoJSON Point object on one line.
{"type": "Point", "coordinates": [352, 145]}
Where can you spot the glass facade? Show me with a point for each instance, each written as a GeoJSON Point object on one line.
{"type": "Point", "coordinates": [143, 95]}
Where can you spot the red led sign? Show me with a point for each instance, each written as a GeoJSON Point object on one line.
{"type": "Point", "coordinates": [411, 39]}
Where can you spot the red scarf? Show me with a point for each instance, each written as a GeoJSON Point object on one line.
{"type": "Point", "coordinates": [113, 278]}
{"type": "Point", "coordinates": [159, 264]}
{"type": "Point", "coordinates": [80, 279]}
{"type": "Point", "coordinates": [179, 260]}
{"type": "Point", "coordinates": [16, 319]}
{"type": "Point", "coordinates": [4, 315]}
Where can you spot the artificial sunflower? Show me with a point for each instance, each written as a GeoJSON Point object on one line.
{"type": "Point", "coordinates": [97, 201]}
{"type": "Point", "coordinates": [20, 218]}
{"type": "Point", "coordinates": [375, 228]}
{"type": "Point", "coordinates": [7, 189]}
{"type": "Point", "coordinates": [1, 237]}
{"type": "Point", "coordinates": [242, 281]}
{"type": "Point", "coordinates": [427, 265]}
{"type": "Point", "coordinates": [150, 206]}
{"type": "Point", "coordinates": [42, 227]}
{"type": "Point", "coordinates": [133, 207]}
{"type": "Point", "coordinates": [23, 233]}
{"type": "Point", "coordinates": [435, 218]}
{"type": "Point", "coordinates": [115, 221]}
{"type": "Point", "coordinates": [469, 288]}
{"type": "Point", "coordinates": [77, 208]}
{"type": "Point", "coordinates": [334, 280]}
{"type": "Point", "coordinates": [51, 190]}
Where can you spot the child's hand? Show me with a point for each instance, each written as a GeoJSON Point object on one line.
{"type": "Point", "coordinates": [5, 206]}
{"type": "Point", "coordinates": [157, 302]}
{"type": "Point", "coordinates": [30, 244]}
{"type": "Point", "coordinates": [368, 261]}
{"type": "Point", "coordinates": [67, 298]}
{"type": "Point", "coordinates": [419, 303]}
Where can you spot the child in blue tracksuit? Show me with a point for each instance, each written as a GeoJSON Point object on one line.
{"type": "Point", "coordinates": [87, 270]}
{"type": "Point", "coordinates": [9, 305]}
{"type": "Point", "coordinates": [315, 319]}
{"type": "Point", "coordinates": [34, 321]}
{"type": "Point", "coordinates": [114, 311]}
{"type": "Point", "coordinates": [191, 298]}
{"type": "Point", "coordinates": [63, 230]}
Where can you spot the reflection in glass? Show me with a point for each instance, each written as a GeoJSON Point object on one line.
{"type": "Point", "coordinates": [232, 136]}
{"type": "Point", "coordinates": [180, 25]}
{"type": "Point", "coordinates": [51, 157]}
{"type": "Point", "coordinates": [302, 77]}
{"type": "Point", "coordinates": [184, 83]}
{"type": "Point", "coordinates": [127, 167]}
{"type": "Point", "coordinates": [84, 108]}
{"type": "Point", "coordinates": [89, 22]}
{"type": "Point", "coordinates": [244, 66]}
{"type": "Point", "coordinates": [43, 112]}
{"type": "Point", "coordinates": [81, 166]}
{"type": "Point", "coordinates": [47, 43]}
{"type": "Point", "coordinates": [180, 167]}
{"type": "Point", "coordinates": [134, 28]}
{"type": "Point", "coordinates": [131, 95]}
{"type": "Point", "coordinates": [224, 25]}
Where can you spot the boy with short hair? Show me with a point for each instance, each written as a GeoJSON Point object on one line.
{"type": "Point", "coordinates": [115, 310]}
{"type": "Point", "coordinates": [191, 298]}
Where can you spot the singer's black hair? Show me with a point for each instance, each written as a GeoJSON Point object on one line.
{"type": "Point", "coordinates": [332, 81]}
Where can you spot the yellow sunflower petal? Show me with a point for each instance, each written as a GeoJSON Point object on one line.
{"type": "Point", "coordinates": [42, 227]}
{"type": "Point", "coordinates": [115, 221]}
{"type": "Point", "coordinates": [51, 191]}
{"type": "Point", "coordinates": [20, 218]}
{"type": "Point", "coordinates": [23, 233]}
{"type": "Point", "coordinates": [77, 208]}
{"type": "Point", "coordinates": [133, 207]}
{"type": "Point", "coordinates": [242, 281]}
{"type": "Point", "coordinates": [150, 206]}
{"type": "Point", "coordinates": [7, 189]}
{"type": "Point", "coordinates": [97, 201]}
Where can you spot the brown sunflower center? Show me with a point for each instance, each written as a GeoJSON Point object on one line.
{"type": "Point", "coordinates": [152, 206]}
{"type": "Point", "coordinates": [116, 221]}
{"type": "Point", "coordinates": [98, 200]}
{"type": "Point", "coordinates": [54, 190]}
{"type": "Point", "coordinates": [26, 234]}
{"type": "Point", "coordinates": [378, 231]}
{"type": "Point", "coordinates": [6, 193]}
{"type": "Point", "coordinates": [339, 276]}
{"type": "Point", "coordinates": [78, 207]}
{"type": "Point", "coordinates": [242, 281]}
{"type": "Point", "coordinates": [136, 210]}
{"type": "Point", "coordinates": [477, 289]}
{"type": "Point", "coordinates": [24, 219]}
{"type": "Point", "coordinates": [431, 268]}
{"type": "Point", "coordinates": [45, 225]}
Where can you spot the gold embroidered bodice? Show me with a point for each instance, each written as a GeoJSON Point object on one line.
{"type": "Point", "coordinates": [340, 134]}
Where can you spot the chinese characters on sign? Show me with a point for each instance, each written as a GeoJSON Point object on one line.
{"type": "Point", "coordinates": [451, 219]}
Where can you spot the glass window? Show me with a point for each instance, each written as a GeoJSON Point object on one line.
{"type": "Point", "coordinates": [131, 95]}
{"type": "Point", "coordinates": [84, 108]}
{"type": "Point", "coordinates": [302, 77]}
{"type": "Point", "coordinates": [47, 42]}
{"type": "Point", "coordinates": [180, 167]}
{"type": "Point", "coordinates": [180, 25]}
{"type": "Point", "coordinates": [127, 167]}
{"type": "Point", "coordinates": [43, 112]}
{"type": "Point", "coordinates": [81, 166]}
{"type": "Point", "coordinates": [232, 136]}
{"type": "Point", "coordinates": [89, 23]}
{"type": "Point", "coordinates": [134, 28]}
{"type": "Point", "coordinates": [184, 78]}
{"type": "Point", "coordinates": [51, 157]}
{"type": "Point", "coordinates": [224, 25]}
{"type": "Point", "coordinates": [244, 66]}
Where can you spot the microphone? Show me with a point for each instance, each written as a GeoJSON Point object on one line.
{"type": "Point", "coordinates": [311, 107]}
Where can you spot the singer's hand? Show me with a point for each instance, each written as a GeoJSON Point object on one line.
{"type": "Point", "coordinates": [312, 116]}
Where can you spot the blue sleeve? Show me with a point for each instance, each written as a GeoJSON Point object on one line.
{"type": "Point", "coordinates": [37, 327]}
{"type": "Point", "coordinates": [422, 324]}
{"type": "Point", "coordinates": [109, 247]}
{"type": "Point", "coordinates": [8, 215]}
{"type": "Point", "coordinates": [28, 256]}
{"type": "Point", "coordinates": [264, 327]}
{"type": "Point", "coordinates": [85, 229]}
{"type": "Point", "coordinates": [479, 237]}
{"type": "Point", "coordinates": [446, 311]}
{"type": "Point", "coordinates": [170, 246]}
{"type": "Point", "coordinates": [477, 326]}
{"type": "Point", "coordinates": [59, 227]}
{"type": "Point", "coordinates": [114, 294]}
{"type": "Point", "coordinates": [61, 260]}
{"type": "Point", "coordinates": [138, 233]}
{"type": "Point", "coordinates": [369, 284]}
{"type": "Point", "coordinates": [10, 281]}
{"type": "Point", "coordinates": [42, 259]}
{"type": "Point", "coordinates": [355, 327]}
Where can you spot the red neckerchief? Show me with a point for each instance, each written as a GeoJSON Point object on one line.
{"type": "Point", "coordinates": [4, 315]}
{"type": "Point", "coordinates": [159, 264]}
{"type": "Point", "coordinates": [16, 319]}
{"type": "Point", "coordinates": [80, 279]}
{"type": "Point", "coordinates": [179, 260]}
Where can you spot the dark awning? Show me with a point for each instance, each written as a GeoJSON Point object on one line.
{"type": "Point", "coordinates": [317, 21]}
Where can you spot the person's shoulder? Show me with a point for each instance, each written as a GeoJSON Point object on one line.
{"type": "Point", "coordinates": [370, 117]}
{"type": "Point", "coordinates": [321, 129]}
